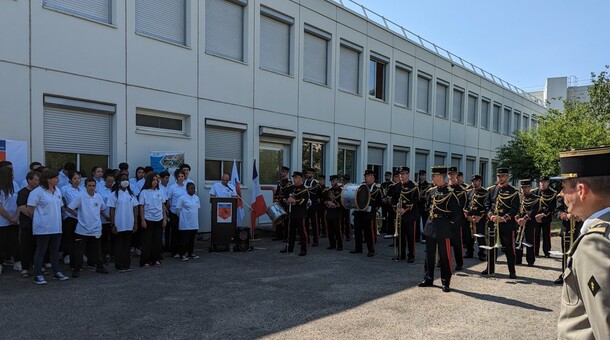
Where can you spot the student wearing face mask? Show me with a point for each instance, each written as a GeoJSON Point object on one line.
{"type": "Point", "coordinates": [123, 215]}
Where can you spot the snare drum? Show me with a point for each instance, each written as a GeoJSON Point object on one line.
{"type": "Point", "coordinates": [276, 212]}
{"type": "Point", "coordinates": [355, 196]}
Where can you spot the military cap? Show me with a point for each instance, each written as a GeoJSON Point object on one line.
{"type": "Point", "coordinates": [369, 172]}
{"type": "Point", "coordinates": [388, 173]}
{"type": "Point", "coordinates": [422, 172]}
{"type": "Point", "coordinates": [452, 169]}
{"type": "Point", "coordinates": [346, 177]}
{"type": "Point", "coordinates": [589, 162]}
{"type": "Point", "coordinates": [438, 170]}
{"type": "Point", "coordinates": [321, 176]}
{"type": "Point", "coordinates": [525, 182]}
{"type": "Point", "coordinates": [285, 168]}
{"type": "Point", "coordinates": [501, 171]}
{"type": "Point", "coordinates": [460, 173]}
{"type": "Point", "coordinates": [544, 178]}
{"type": "Point", "coordinates": [476, 177]}
{"type": "Point", "coordinates": [405, 169]}
{"type": "Point", "coordinates": [332, 177]}
{"type": "Point", "coordinates": [297, 173]}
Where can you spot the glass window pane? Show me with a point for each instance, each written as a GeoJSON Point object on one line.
{"type": "Point", "coordinates": [270, 162]}
{"type": "Point", "coordinates": [56, 160]}
{"type": "Point", "coordinates": [212, 170]}
{"type": "Point", "coordinates": [87, 162]}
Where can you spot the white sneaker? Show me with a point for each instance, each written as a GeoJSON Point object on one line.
{"type": "Point", "coordinates": [177, 256]}
{"type": "Point", "coordinates": [48, 265]}
{"type": "Point", "coordinates": [17, 266]}
{"type": "Point", "coordinates": [184, 258]}
{"type": "Point", "coordinates": [137, 251]}
{"type": "Point", "coordinates": [67, 259]}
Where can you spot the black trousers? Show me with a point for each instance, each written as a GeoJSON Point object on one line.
{"type": "Point", "coordinates": [335, 239]}
{"type": "Point", "coordinates": [529, 238]}
{"type": "Point", "coordinates": [172, 233]}
{"type": "Point", "coordinates": [68, 227]}
{"type": "Point", "coordinates": [27, 245]}
{"type": "Point", "coordinates": [122, 255]}
{"type": "Point", "coordinates": [543, 232]}
{"type": "Point", "coordinates": [364, 223]}
{"type": "Point", "coordinates": [107, 241]}
{"type": "Point", "coordinates": [456, 243]}
{"type": "Point", "coordinates": [93, 251]}
{"type": "Point", "coordinates": [407, 239]}
{"type": "Point", "coordinates": [467, 238]}
{"type": "Point", "coordinates": [297, 224]}
{"type": "Point", "coordinates": [481, 230]}
{"type": "Point", "coordinates": [188, 241]}
{"type": "Point", "coordinates": [423, 218]}
{"type": "Point", "coordinates": [444, 251]}
{"type": "Point", "coordinates": [385, 213]}
{"type": "Point", "coordinates": [312, 223]}
{"type": "Point", "coordinates": [151, 242]}
{"type": "Point", "coordinates": [507, 238]}
{"type": "Point", "coordinates": [9, 243]}
{"type": "Point", "coordinates": [346, 224]}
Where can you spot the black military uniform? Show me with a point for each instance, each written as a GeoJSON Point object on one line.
{"type": "Point", "coordinates": [503, 202]}
{"type": "Point", "coordinates": [386, 206]}
{"type": "Point", "coordinates": [548, 204]}
{"type": "Point", "coordinates": [456, 238]}
{"type": "Point", "coordinates": [346, 222]}
{"type": "Point", "coordinates": [281, 228]}
{"type": "Point", "coordinates": [407, 196]}
{"type": "Point", "coordinates": [332, 201]}
{"type": "Point", "coordinates": [476, 207]}
{"type": "Point", "coordinates": [364, 220]}
{"type": "Point", "coordinates": [297, 215]}
{"type": "Point", "coordinates": [444, 211]}
{"type": "Point", "coordinates": [570, 230]}
{"type": "Point", "coordinates": [321, 206]}
{"type": "Point", "coordinates": [528, 210]}
{"type": "Point", "coordinates": [423, 187]}
{"type": "Point", "coordinates": [312, 210]}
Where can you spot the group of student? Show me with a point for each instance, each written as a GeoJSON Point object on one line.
{"type": "Point", "coordinates": [105, 217]}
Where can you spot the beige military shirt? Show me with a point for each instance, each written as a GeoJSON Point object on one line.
{"type": "Point", "coordinates": [585, 300]}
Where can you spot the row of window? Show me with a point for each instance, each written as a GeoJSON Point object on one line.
{"type": "Point", "coordinates": [225, 21]}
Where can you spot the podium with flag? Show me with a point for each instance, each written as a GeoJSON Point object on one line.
{"type": "Point", "coordinates": [224, 221]}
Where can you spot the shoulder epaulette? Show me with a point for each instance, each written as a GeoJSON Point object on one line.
{"type": "Point", "coordinates": [601, 228]}
{"type": "Point", "coordinates": [490, 187]}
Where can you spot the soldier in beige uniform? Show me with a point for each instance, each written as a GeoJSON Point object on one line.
{"type": "Point", "coordinates": [585, 300]}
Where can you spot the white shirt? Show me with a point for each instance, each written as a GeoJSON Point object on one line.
{"type": "Point", "coordinates": [139, 185]}
{"type": "Point", "coordinates": [106, 193]}
{"type": "Point", "coordinates": [152, 200]}
{"type": "Point", "coordinates": [123, 210]}
{"type": "Point", "coordinates": [219, 190]}
{"type": "Point", "coordinates": [68, 194]}
{"type": "Point", "coordinates": [174, 192]}
{"type": "Point", "coordinates": [587, 224]}
{"type": "Point", "coordinates": [47, 211]}
{"type": "Point", "coordinates": [63, 179]}
{"type": "Point", "coordinates": [8, 203]}
{"type": "Point", "coordinates": [89, 219]}
{"type": "Point", "coordinates": [188, 208]}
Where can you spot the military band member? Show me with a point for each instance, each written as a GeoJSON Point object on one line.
{"type": "Point", "coordinates": [423, 186]}
{"type": "Point", "coordinates": [406, 194]}
{"type": "Point", "coordinates": [281, 228]}
{"type": "Point", "coordinates": [346, 221]}
{"type": "Point", "coordinates": [570, 230]}
{"type": "Point", "coordinates": [297, 197]}
{"type": "Point", "coordinates": [477, 215]}
{"type": "Point", "coordinates": [321, 207]}
{"type": "Point", "coordinates": [502, 207]}
{"type": "Point", "coordinates": [585, 300]}
{"type": "Point", "coordinates": [312, 210]}
{"type": "Point", "coordinates": [458, 230]}
{"type": "Point", "coordinates": [364, 220]}
{"type": "Point", "coordinates": [444, 210]}
{"type": "Point", "coordinates": [332, 202]}
{"type": "Point", "coordinates": [527, 219]}
{"type": "Point", "coordinates": [548, 203]}
{"type": "Point", "coordinates": [386, 206]}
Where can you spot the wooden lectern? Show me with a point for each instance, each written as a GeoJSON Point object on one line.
{"type": "Point", "coordinates": [224, 222]}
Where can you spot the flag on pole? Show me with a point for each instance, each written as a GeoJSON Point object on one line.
{"type": "Point", "coordinates": [259, 207]}
{"type": "Point", "coordinates": [240, 204]}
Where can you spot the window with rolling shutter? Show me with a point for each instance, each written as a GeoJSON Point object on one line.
{"type": "Point", "coordinates": [162, 19]}
{"type": "Point", "coordinates": [472, 109]}
{"type": "Point", "coordinates": [423, 93]}
{"type": "Point", "coordinates": [349, 67]}
{"type": "Point", "coordinates": [222, 146]}
{"type": "Point", "coordinates": [275, 41]}
{"type": "Point", "coordinates": [315, 55]}
{"type": "Point", "coordinates": [403, 86]}
{"type": "Point", "coordinates": [421, 161]}
{"type": "Point", "coordinates": [98, 10]}
{"type": "Point", "coordinates": [224, 28]}
{"type": "Point", "coordinates": [400, 158]}
{"type": "Point", "coordinates": [76, 132]}
{"type": "Point", "coordinates": [441, 99]}
{"type": "Point", "coordinates": [458, 105]}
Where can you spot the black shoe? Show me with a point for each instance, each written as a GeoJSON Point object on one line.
{"type": "Point", "coordinates": [512, 276]}
{"type": "Point", "coordinates": [458, 268]}
{"type": "Point", "coordinates": [330, 247]}
{"type": "Point", "coordinates": [410, 260]}
{"type": "Point", "coordinates": [482, 257]}
{"type": "Point", "coordinates": [76, 273]}
{"type": "Point", "coordinates": [425, 283]}
{"type": "Point", "coordinates": [485, 273]}
{"type": "Point", "coordinates": [446, 288]}
{"type": "Point", "coordinates": [339, 248]}
{"type": "Point", "coordinates": [530, 264]}
{"type": "Point", "coordinates": [101, 270]}
{"type": "Point", "coordinates": [559, 280]}
{"type": "Point", "coordinates": [355, 251]}
{"type": "Point", "coordinates": [468, 256]}
{"type": "Point", "coordinates": [370, 254]}
{"type": "Point", "coordinates": [302, 253]}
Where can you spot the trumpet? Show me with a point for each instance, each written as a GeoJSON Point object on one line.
{"type": "Point", "coordinates": [397, 223]}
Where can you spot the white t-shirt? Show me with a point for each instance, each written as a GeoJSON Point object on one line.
{"type": "Point", "coordinates": [63, 179]}
{"type": "Point", "coordinates": [106, 193]}
{"type": "Point", "coordinates": [9, 203]}
{"type": "Point", "coordinates": [47, 211]}
{"type": "Point", "coordinates": [219, 190]}
{"type": "Point", "coordinates": [174, 192]}
{"type": "Point", "coordinates": [188, 208]}
{"type": "Point", "coordinates": [153, 201]}
{"type": "Point", "coordinates": [123, 210]}
{"type": "Point", "coordinates": [99, 184]}
{"type": "Point", "coordinates": [88, 208]}
{"type": "Point", "coordinates": [69, 193]}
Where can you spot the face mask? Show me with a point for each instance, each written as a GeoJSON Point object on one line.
{"type": "Point", "coordinates": [124, 184]}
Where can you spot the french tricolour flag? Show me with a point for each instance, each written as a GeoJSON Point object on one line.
{"type": "Point", "coordinates": [240, 204]}
{"type": "Point", "coordinates": [259, 207]}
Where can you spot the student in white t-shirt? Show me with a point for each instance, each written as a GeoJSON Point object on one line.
{"type": "Point", "coordinates": [69, 192]}
{"type": "Point", "coordinates": [97, 173]}
{"type": "Point", "coordinates": [188, 209]}
{"type": "Point", "coordinates": [174, 192]}
{"type": "Point", "coordinates": [44, 204]}
{"type": "Point", "coordinates": [107, 240]}
{"type": "Point", "coordinates": [87, 208]}
{"type": "Point", "coordinates": [123, 214]}
{"type": "Point", "coordinates": [9, 218]}
{"type": "Point", "coordinates": [33, 166]}
{"type": "Point", "coordinates": [153, 219]}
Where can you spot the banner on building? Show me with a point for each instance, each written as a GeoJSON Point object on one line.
{"type": "Point", "coordinates": [16, 152]}
{"type": "Point", "coordinates": [166, 161]}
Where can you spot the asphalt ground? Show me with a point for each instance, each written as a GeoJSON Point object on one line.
{"type": "Point", "coordinates": [264, 294]}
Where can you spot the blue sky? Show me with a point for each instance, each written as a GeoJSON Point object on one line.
{"type": "Point", "coordinates": [523, 42]}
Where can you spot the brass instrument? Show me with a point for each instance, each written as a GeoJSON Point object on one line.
{"type": "Point", "coordinates": [473, 224]}
{"type": "Point", "coordinates": [521, 231]}
{"type": "Point", "coordinates": [397, 224]}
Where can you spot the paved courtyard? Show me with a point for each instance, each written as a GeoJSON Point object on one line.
{"type": "Point", "coordinates": [264, 294]}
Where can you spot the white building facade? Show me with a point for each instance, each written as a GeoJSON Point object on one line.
{"type": "Point", "coordinates": [300, 83]}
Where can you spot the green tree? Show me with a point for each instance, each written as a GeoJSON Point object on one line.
{"type": "Point", "coordinates": [517, 156]}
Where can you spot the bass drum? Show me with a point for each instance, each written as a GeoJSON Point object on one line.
{"type": "Point", "coordinates": [355, 196]}
{"type": "Point", "coordinates": [276, 212]}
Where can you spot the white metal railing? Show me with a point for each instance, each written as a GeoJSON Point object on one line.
{"type": "Point", "coordinates": [379, 19]}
